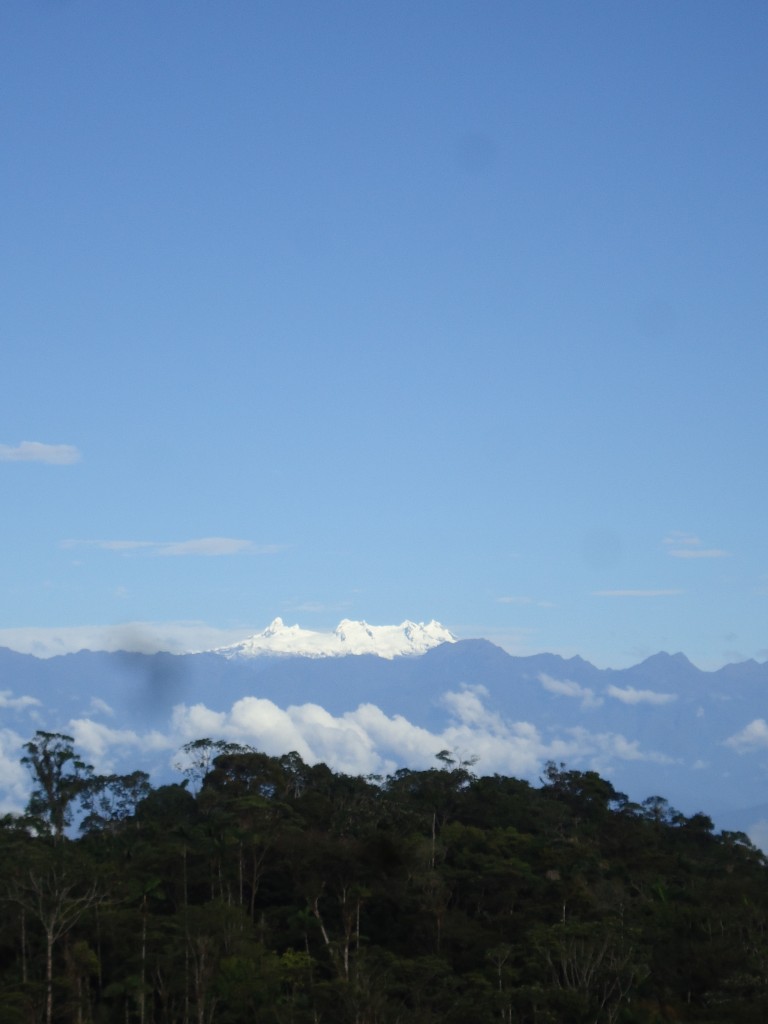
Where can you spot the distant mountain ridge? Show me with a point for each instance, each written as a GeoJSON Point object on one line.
{"type": "Point", "coordinates": [663, 726]}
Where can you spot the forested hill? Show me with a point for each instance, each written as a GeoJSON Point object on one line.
{"type": "Point", "coordinates": [262, 890]}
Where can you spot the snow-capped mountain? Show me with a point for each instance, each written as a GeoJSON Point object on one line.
{"type": "Point", "coordinates": [349, 637]}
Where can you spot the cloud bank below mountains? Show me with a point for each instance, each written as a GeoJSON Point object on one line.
{"type": "Point", "coordinates": [364, 741]}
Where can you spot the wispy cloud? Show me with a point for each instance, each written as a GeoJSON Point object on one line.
{"type": "Point", "coordinates": [100, 707]}
{"type": "Point", "coordinates": [36, 451]}
{"type": "Point", "coordinates": [214, 546]}
{"type": "Point", "coordinates": [636, 593]}
{"type": "Point", "coordinates": [630, 695]}
{"type": "Point", "coordinates": [17, 703]}
{"type": "Point", "coordinates": [524, 600]}
{"type": "Point", "coordinates": [199, 546]}
{"type": "Point", "coordinates": [679, 538]}
{"type": "Point", "coordinates": [687, 545]}
{"type": "Point", "coordinates": [569, 688]}
{"type": "Point", "coordinates": [606, 747]}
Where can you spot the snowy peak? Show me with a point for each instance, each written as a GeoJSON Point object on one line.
{"type": "Point", "coordinates": [349, 637]}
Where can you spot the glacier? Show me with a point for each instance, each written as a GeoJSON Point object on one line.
{"type": "Point", "coordinates": [349, 637]}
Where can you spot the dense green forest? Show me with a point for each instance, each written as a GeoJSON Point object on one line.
{"type": "Point", "coordinates": [262, 890]}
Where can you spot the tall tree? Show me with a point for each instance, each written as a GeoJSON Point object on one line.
{"type": "Point", "coordinates": [59, 776]}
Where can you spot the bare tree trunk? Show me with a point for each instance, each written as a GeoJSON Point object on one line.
{"type": "Point", "coordinates": [240, 855]}
{"type": "Point", "coordinates": [186, 942]}
{"type": "Point", "coordinates": [316, 912]}
{"type": "Point", "coordinates": [52, 901]}
{"type": "Point", "coordinates": [143, 972]}
{"type": "Point", "coordinates": [48, 975]}
{"type": "Point", "coordinates": [24, 945]}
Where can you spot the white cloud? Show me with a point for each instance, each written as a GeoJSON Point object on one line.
{"type": "Point", "coordinates": [516, 748]}
{"type": "Point", "coordinates": [93, 739]}
{"type": "Point", "coordinates": [199, 720]}
{"type": "Point", "coordinates": [309, 729]}
{"type": "Point", "coordinates": [409, 744]}
{"type": "Point", "coordinates": [367, 740]}
{"type": "Point", "coordinates": [102, 745]}
{"type": "Point", "coordinates": [342, 742]}
{"type": "Point", "coordinates": [636, 593]}
{"type": "Point", "coordinates": [751, 737]}
{"type": "Point", "coordinates": [568, 688]}
{"type": "Point", "coordinates": [36, 451]}
{"type": "Point", "coordinates": [17, 703]}
{"type": "Point", "coordinates": [199, 546]}
{"type": "Point", "coordinates": [467, 706]}
{"type": "Point", "coordinates": [630, 695]}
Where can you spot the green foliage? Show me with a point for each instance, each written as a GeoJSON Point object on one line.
{"type": "Point", "coordinates": [263, 890]}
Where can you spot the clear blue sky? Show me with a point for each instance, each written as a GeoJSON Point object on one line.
{"type": "Point", "coordinates": [384, 311]}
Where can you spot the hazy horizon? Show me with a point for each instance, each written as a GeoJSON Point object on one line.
{"type": "Point", "coordinates": [194, 638]}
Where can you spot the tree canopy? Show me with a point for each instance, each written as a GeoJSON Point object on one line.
{"type": "Point", "coordinates": [264, 890]}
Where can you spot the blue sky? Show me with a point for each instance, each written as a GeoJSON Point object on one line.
{"type": "Point", "coordinates": [385, 311]}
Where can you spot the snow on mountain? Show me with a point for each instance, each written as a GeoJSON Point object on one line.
{"type": "Point", "coordinates": [349, 637]}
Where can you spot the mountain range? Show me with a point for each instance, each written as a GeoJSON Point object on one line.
{"type": "Point", "coordinates": [371, 699]}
